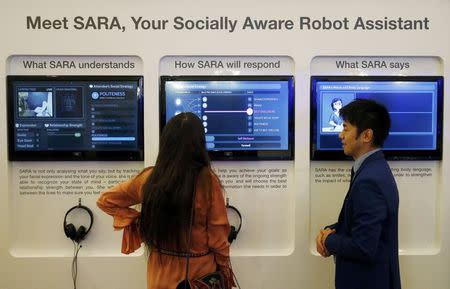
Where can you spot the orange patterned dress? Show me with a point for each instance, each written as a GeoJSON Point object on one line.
{"type": "Point", "coordinates": [209, 231]}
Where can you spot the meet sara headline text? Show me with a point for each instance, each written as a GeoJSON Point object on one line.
{"type": "Point", "coordinates": [226, 24]}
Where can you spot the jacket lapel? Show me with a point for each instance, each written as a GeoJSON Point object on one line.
{"type": "Point", "coordinates": [374, 156]}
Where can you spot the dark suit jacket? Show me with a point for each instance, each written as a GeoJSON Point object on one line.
{"type": "Point", "coordinates": [366, 240]}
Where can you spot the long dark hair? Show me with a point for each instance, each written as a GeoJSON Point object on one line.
{"type": "Point", "coordinates": [168, 192]}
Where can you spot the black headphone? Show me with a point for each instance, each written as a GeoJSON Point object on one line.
{"type": "Point", "coordinates": [234, 231]}
{"type": "Point", "coordinates": [77, 235]}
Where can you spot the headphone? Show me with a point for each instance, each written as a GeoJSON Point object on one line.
{"type": "Point", "coordinates": [77, 235]}
{"type": "Point", "coordinates": [234, 231]}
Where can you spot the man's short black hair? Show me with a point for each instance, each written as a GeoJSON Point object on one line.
{"type": "Point", "coordinates": [368, 114]}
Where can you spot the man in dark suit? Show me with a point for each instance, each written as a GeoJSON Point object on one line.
{"type": "Point", "coordinates": [364, 240]}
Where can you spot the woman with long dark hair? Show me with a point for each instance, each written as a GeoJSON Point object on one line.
{"type": "Point", "coordinates": [166, 191]}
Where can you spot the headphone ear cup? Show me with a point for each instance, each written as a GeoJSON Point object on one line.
{"type": "Point", "coordinates": [233, 234]}
{"type": "Point", "coordinates": [70, 231]}
{"type": "Point", "coordinates": [81, 233]}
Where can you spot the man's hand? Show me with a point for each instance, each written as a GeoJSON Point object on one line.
{"type": "Point", "coordinates": [320, 241]}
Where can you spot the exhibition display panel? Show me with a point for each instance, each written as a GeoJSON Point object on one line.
{"type": "Point", "coordinates": [75, 118]}
{"type": "Point", "coordinates": [415, 105]}
{"type": "Point", "coordinates": [245, 117]}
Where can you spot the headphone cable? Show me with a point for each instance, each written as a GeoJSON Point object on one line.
{"type": "Point", "coordinates": [76, 249]}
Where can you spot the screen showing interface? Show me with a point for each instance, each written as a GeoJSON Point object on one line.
{"type": "Point", "coordinates": [414, 108]}
{"type": "Point", "coordinates": [75, 115]}
{"type": "Point", "coordinates": [237, 115]}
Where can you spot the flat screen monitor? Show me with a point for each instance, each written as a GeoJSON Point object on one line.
{"type": "Point", "coordinates": [244, 117]}
{"type": "Point", "coordinates": [79, 118]}
{"type": "Point", "coordinates": [415, 105]}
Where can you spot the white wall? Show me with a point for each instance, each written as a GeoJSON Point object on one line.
{"type": "Point", "coordinates": [40, 258]}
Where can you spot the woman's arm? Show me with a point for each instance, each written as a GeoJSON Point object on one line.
{"type": "Point", "coordinates": [116, 202]}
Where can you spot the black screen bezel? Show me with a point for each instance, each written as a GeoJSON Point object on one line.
{"type": "Point", "coordinates": [238, 155]}
{"type": "Point", "coordinates": [79, 155]}
{"type": "Point", "coordinates": [435, 154]}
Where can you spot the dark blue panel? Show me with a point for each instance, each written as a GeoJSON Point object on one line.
{"type": "Point", "coordinates": [404, 102]}
{"type": "Point", "coordinates": [227, 102]}
{"type": "Point", "coordinates": [330, 142]}
{"type": "Point", "coordinates": [393, 142]}
{"type": "Point", "coordinates": [411, 122]}
{"type": "Point", "coordinates": [227, 123]}
{"type": "Point", "coordinates": [396, 142]}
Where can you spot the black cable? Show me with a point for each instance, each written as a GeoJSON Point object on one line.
{"type": "Point", "coordinates": [76, 249]}
{"type": "Point", "coordinates": [73, 263]}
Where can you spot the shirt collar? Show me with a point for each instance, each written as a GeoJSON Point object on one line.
{"type": "Point", "coordinates": [362, 158]}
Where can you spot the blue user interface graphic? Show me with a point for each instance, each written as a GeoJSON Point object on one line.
{"type": "Point", "coordinates": [412, 107]}
{"type": "Point", "coordinates": [236, 115]}
{"type": "Point", "coordinates": [79, 115]}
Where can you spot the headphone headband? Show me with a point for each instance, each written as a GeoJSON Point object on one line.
{"type": "Point", "coordinates": [233, 232]}
{"type": "Point", "coordinates": [79, 234]}
{"type": "Point", "coordinates": [239, 215]}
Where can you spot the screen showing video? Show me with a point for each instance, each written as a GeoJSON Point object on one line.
{"type": "Point", "coordinates": [414, 105]}
{"type": "Point", "coordinates": [243, 117]}
{"type": "Point", "coordinates": [75, 118]}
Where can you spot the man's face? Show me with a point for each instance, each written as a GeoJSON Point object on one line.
{"type": "Point", "coordinates": [351, 142]}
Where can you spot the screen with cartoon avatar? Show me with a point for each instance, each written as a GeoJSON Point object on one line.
{"type": "Point", "coordinates": [414, 105]}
